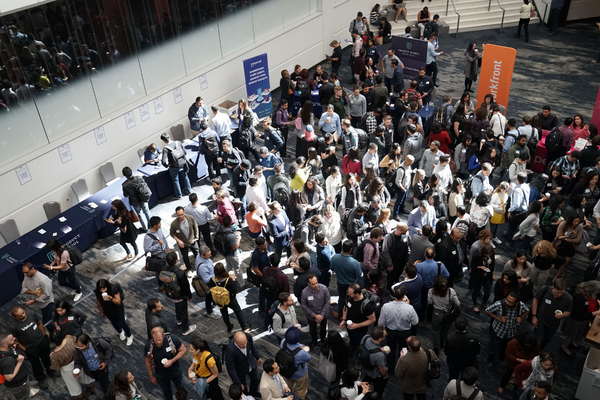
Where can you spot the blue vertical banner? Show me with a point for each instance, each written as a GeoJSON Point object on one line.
{"type": "Point", "coordinates": [256, 72]}
{"type": "Point", "coordinates": [412, 53]}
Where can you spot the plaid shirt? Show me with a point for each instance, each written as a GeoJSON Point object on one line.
{"type": "Point", "coordinates": [370, 123]}
{"type": "Point", "coordinates": [506, 329]}
{"type": "Point", "coordinates": [567, 167]}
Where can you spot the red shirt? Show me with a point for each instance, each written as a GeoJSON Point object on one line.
{"type": "Point", "coordinates": [444, 140]}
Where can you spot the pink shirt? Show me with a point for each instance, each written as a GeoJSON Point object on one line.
{"type": "Point", "coordinates": [226, 208]}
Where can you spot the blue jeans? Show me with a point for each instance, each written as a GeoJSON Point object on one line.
{"type": "Point", "coordinates": [143, 209]}
{"type": "Point", "coordinates": [526, 243]}
{"type": "Point", "coordinates": [119, 323]}
{"type": "Point", "coordinates": [165, 383]}
{"type": "Point", "coordinates": [400, 199]}
{"type": "Point", "coordinates": [179, 174]}
{"type": "Point", "coordinates": [47, 314]}
{"type": "Point", "coordinates": [123, 243]}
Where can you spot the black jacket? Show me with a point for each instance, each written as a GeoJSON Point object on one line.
{"type": "Point", "coordinates": [239, 365]}
{"type": "Point", "coordinates": [130, 190]}
{"type": "Point", "coordinates": [462, 349]}
{"type": "Point", "coordinates": [102, 348]}
{"type": "Point", "coordinates": [325, 93]}
{"type": "Point", "coordinates": [356, 227]}
{"type": "Point", "coordinates": [153, 320]}
{"type": "Point", "coordinates": [447, 253]}
{"type": "Point", "coordinates": [240, 179]}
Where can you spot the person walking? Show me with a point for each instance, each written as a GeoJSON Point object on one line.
{"type": "Point", "coordinates": [412, 370]}
{"type": "Point", "coordinates": [242, 360]}
{"type": "Point", "coordinates": [526, 11]}
{"type": "Point", "coordinates": [109, 298]}
{"type": "Point", "coordinates": [298, 382]}
{"type": "Point", "coordinates": [64, 265]}
{"type": "Point", "coordinates": [174, 283]}
{"type": "Point", "coordinates": [40, 286]}
{"type": "Point", "coordinates": [347, 271]}
{"type": "Point", "coordinates": [441, 297]}
{"type": "Point", "coordinates": [163, 352]}
{"type": "Point", "coordinates": [127, 231]}
{"type": "Point", "coordinates": [223, 290]}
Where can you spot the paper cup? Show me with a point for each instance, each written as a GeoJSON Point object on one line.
{"type": "Point", "coordinates": [558, 312]}
{"type": "Point", "coordinates": [386, 349]}
{"type": "Point", "coordinates": [76, 371]}
{"type": "Point", "coordinates": [589, 244]}
{"type": "Point", "coordinates": [192, 375]}
{"type": "Point", "coordinates": [104, 295]}
{"type": "Point", "coordinates": [349, 323]}
{"type": "Point", "coordinates": [164, 361]}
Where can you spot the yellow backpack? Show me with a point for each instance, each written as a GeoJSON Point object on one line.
{"type": "Point", "coordinates": [219, 294]}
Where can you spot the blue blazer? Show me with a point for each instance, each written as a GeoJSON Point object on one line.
{"type": "Point", "coordinates": [277, 229]}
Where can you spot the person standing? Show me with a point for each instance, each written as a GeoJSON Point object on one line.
{"type": "Point", "coordinates": [231, 249]}
{"type": "Point", "coordinates": [184, 230]}
{"type": "Point", "coordinates": [92, 358]}
{"type": "Point", "coordinates": [272, 384]}
{"type": "Point", "coordinates": [472, 68]}
{"type": "Point", "coordinates": [525, 13]}
{"type": "Point", "coordinates": [15, 368]}
{"type": "Point", "coordinates": [136, 190]}
{"type": "Point", "coordinates": [242, 360]}
{"type": "Point", "coordinates": [298, 382]}
{"type": "Point", "coordinates": [377, 371]}
{"type": "Point", "coordinates": [399, 319]}
{"type": "Point", "coordinates": [206, 271]}
{"type": "Point", "coordinates": [387, 69]}
{"type": "Point", "coordinates": [440, 297]}
{"type": "Point", "coordinates": [462, 349]}
{"type": "Point", "coordinates": [123, 387]}
{"type": "Point", "coordinates": [154, 316]}
{"type": "Point", "coordinates": [162, 354]}
{"type": "Point", "coordinates": [202, 215]}
{"type": "Point", "coordinates": [31, 338]}
{"type": "Point", "coordinates": [174, 158]}
{"type": "Point", "coordinates": [155, 243]}
{"type": "Point", "coordinates": [464, 387]}
{"type": "Point", "coordinates": [284, 316]}
{"type": "Point", "coordinates": [597, 59]}
{"type": "Point", "coordinates": [431, 67]}
{"type": "Point", "coordinates": [64, 265]}
{"type": "Point", "coordinates": [358, 314]}
{"type": "Point", "coordinates": [347, 271]}
{"type": "Point", "coordinates": [203, 371]}
{"type": "Point", "coordinates": [40, 286]}
{"type": "Point", "coordinates": [357, 107]}
{"type": "Point", "coordinates": [221, 123]}
{"type": "Point", "coordinates": [336, 57]}
{"type": "Point", "coordinates": [179, 293]}
{"type": "Point", "coordinates": [395, 252]}
{"type": "Point", "coordinates": [402, 182]}
{"type": "Point", "coordinates": [550, 305]}
{"type": "Point", "coordinates": [556, 8]}
{"type": "Point", "coordinates": [315, 303]}
{"type": "Point", "coordinates": [109, 299]}
{"type": "Point", "coordinates": [197, 113]}
{"type": "Point", "coordinates": [227, 288]}
{"type": "Point", "coordinates": [127, 231]}
{"type": "Point", "coordinates": [412, 370]}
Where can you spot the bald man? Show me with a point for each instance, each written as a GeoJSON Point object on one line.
{"type": "Point", "coordinates": [395, 253]}
{"type": "Point", "coordinates": [242, 360]}
{"type": "Point", "coordinates": [452, 251]}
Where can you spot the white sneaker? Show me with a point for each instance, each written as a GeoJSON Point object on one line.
{"type": "Point", "coordinates": [122, 336]}
{"type": "Point", "coordinates": [497, 241]}
{"type": "Point", "coordinates": [77, 297]}
{"type": "Point", "coordinates": [493, 245]}
{"type": "Point", "coordinates": [129, 340]}
{"type": "Point", "coordinates": [191, 329]}
{"type": "Point", "coordinates": [73, 293]}
{"type": "Point", "coordinates": [214, 315]}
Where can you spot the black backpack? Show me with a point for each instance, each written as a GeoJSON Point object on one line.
{"type": "Point", "coordinates": [363, 138]}
{"type": "Point", "coordinates": [107, 340]}
{"type": "Point", "coordinates": [469, 183]}
{"type": "Point", "coordinates": [345, 218]}
{"type": "Point", "coordinates": [364, 354]}
{"type": "Point", "coordinates": [554, 140]}
{"type": "Point", "coordinates": [286, 361]}
{"type": "Point", "coordinates": [245, 140]}
{"type": "Point", "coordinates": [271, 313]}
{"type": "Point", "coordinates": [268, 285]}
{"type": "Point", "coordinates": [211, 143]}
{"type": "Point", "coordinates": [143, 190]}
{"type": "Point", "coordinates": [218, 362]}
{"type": "Point", "coordinates": [390, 180]}
{"type": "Point", "coordinates": [433, 371]}
{"type": "Point", "coordinates": [74, 254]}
{"type": "Point", "coordinates": [459, 396]}
{"type": "Point", "coordinates": [427, 31]}
{"type": "Point", "coordinates": [303, 88]}
{"type": "Point", "coordinates": [441, 116]}
{"type": "Point", "coordinates": [281, 193]}
{"type": "Point", "coordinates": [359, 253]}
{"type": "Point", "coordinates": [220, 242]}
{"type": "Point", "coordinates": [176, 155]}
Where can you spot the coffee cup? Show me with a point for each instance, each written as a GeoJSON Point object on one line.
{"type": "Point", "coordinates": [104, 295]}
{"type": "Point", "coordinates": [164, 361]}
{"type": "Point", "coordinates": [306, 348]}
{"type": "Point", "coordinates": [349, 323]}
{"type": "Point", "coordinates": [192, 375]}
{"type": "Point", "coordinates": [558, 312]}
{"type": "Point", "coordinates": [76, 371]}
{"type": "Point", "coordinates": [386, 349]}
{"type": "Point", "coordinates": [589, 244]}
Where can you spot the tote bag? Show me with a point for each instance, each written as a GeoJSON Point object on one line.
{"type": "Point", "coordinates": [498, 219]}
{"type": "Point", "coordinates": [326, 367]}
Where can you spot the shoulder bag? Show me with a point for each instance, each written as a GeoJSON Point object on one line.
{"type": "Point", "coordinates": [326, 367]}
{"type": "Point", "coordinates": [498, 219]}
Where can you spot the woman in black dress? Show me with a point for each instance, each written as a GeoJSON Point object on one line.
{"type": "Point", "coordinates": [482, 275]}
{"type": "Point", "coordinates": [67, 320]}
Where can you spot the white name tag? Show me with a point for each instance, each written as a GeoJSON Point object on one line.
{"type": "Point", "coordinates": [518, 152]}
{"type": "Point", "coordinates": [168, 349]}
{"type": "Point", "coordinates": [349, 305]}
{"type": "Point", "coordinates": [195, 361]}
{"type": "Point", "coordinates": [548, 301]}
{"type": "Point", "coordinates": [95, 355]}
{"type": "Point", "coordinates": [587, 190]}
{"type": "Point", "coordinates": [70, 318]}
{"type": "Point", "coordinates": [178, 231]}
{"type": "Point", "coordinates": [310, 297]}
{"type": "Point", "coordinates": [453, 252]}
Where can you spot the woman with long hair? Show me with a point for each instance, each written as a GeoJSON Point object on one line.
{"type": "Point", "coordinates": [333, 183]}
{"type": "Point", "coordinates": [298, 173]}
{"type": "Point", "coordinates": [340, 352]}
{"type": "Point", "coordinates": [507, 284]}
{"type": "Point", "coordinates": [472, 67]}
{"type": "Point", "coordinates": [62, 360]}
{"type": "Point", "coordinates": [110, 304]}
{"type": "Point", "coordinates": [351, 387]}
{"type": "Point", "coordinates": [420, 190]}
{"type": "Point", "coordinates": [459, 123]}
{"type": "Point", "coordinates": [498, 203]}
{"type": "Point", "coordinates": [423, 18]}
{"type": "Point", "coordinates": [332, 227]}
{"type": "Point", "coordinates": [203, 371]}
{"type": "Point", "coordinates": [295, 210]}
{"type": "Point", "coordinates": [528, 228]}
{"type": "Point", "coordinates": [480, 124]}
{"type": "Point", "coordinates": [588, 186]}
{"type": "Point", "coordinates": [545, 258]}
{"type": "Point", "coordinates": [481, 210]}
{"type": "Point", "coordinates": [440, 296]}
{"type": "Point", "coordinates": [556, 181]}
{"type": "Point", "coordinates": [123, 387]}
{"type": "Point", "coordinates": [568, 237]}
{"type": "Point", "coordinates": [239, 118]}
{"type": "Point", "coordinates": [351, 195]}
{"type": "Point", "coordinates": [460, 154]}
{"type": "Point", "coordinates": [312, 196]}
{"type": "Point", "coordinates": [585, 308]}
{"type": "Point", "coordinates": [580, 129]}
{"type": "Point", "coordinates": [384, 222]}
{"type": "Point", "coordinates": [377, 188]}
{"type": "Point", "coordinates": [128, 231]}
{"type": "Point", "coordinates": [68, 321]}
{"type": "Point", "coordinates": [441, 136]}
{"type": "Point", "coordinates": [222, 279]}
{"type": "Point", "coordinates": [393, 159]}
{"type": "Point", "coordinates": [536, 188]}
{"type": "Point", "coordinates": [351, 163]}
{"type": "Point", "coordinates": [473, 162]}
{"type": "Point", "coordinates": [369, 176]}
{"type": "Point", "coordinates": [551, 217]}
{"type": "Point", "coordinates": [490, 157]}
{"type": "Point", "coordinates": [299, 251]}
{"type": "Point", "coordinates": [523, 347]}
{"type": "Point", "coordinates": [305, 117]}
{"type": "Point", "coordinates": [488, 104]}
{"type": "Point", "coordinates": [62, 263]}
{"type": "Point", "coordinates": [256, 219]}
{"type": "Point", "coordinates": [529, 373]}
{"type": "Point", "coordinates": [576, 208]}
{"type": "Point", "coordinates": [315, 165]}
{"type": "Point", "coordinates": [482, 275]}
{"type": "Point", "coordinates": [520, 266]}
{"type": "Point", "coordinates": [456, 198]}
{"type": "Point", "coordinates": [437, 193]}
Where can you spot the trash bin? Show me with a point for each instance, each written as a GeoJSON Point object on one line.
{"type": "Point", "coordinates": [589, 384]}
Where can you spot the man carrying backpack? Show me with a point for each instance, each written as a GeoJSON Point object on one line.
{"type": "Point", "coordinates": [273, 282]}
{"type": "Point", "coordinates": [464, 389]}
{"type": "Point", "coordinates": [137, 191]}
{"type": "Point", "coordinates": [372, 358]}
{"type": "Point", "coordinates": [284, 316]}
{"type": "Point", "coordinates": [293, 359]}
{"type": "Point", "coordinates": [174, 283]}
{"type": "Point", "coordinates": [169, 348]}
{"type": "Point", "coordinates": [174, 158]}
{"type": "Point", "coordinates": [210, 143]}
{"type": "Point", "coordinates": [227, 243]}
{"type": "Point", "coordinates": [368, 252]}
{"type": "Point", "coordinates": [358, 314]}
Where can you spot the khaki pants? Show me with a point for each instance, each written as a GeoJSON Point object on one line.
{"type": "Point", "coordinates": [298, 386]}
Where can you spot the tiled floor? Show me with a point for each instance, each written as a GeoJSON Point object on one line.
{"type": "Point", "coordinates": [553, 70]}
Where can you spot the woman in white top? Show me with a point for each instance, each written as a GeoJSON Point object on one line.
{"type": "Point", "coordinates": [481, 210]}
{"type": "Point", "coordinates": [498, 203]}
{"type": "Point", "coordinates": [525, 13]}
{"type": "Point", "coordinates": [528, 228]}
{"type": "Point", "coordinates": [333, 183]}
{"type": "Point", "coordinates": [497, 122]}
{"type": "Point", "coordinates": [457, 197]}
{"type": "Point", "coordinates": [349, 385]}
{"type": "Point", "coordinates": [332, 228]}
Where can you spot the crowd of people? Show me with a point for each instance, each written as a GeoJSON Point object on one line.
{"type": "Point", "coordinates": [389, 227]}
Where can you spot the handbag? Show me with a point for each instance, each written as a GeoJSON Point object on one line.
{"type": "Point", "coordinates": [498, 219]}
{"type": "Point", "coordinates": [452, 312]}
{"type": "Point", "coordinates": [532, 12]}
{"type": "Point", "coordinates": [133, 217]}
{"type": "Point", "coordinates": [326, 367]}
{"type": "Point", "coordinates": [200, 287]}
{"type": "Point", "coordinates": [378, 40]}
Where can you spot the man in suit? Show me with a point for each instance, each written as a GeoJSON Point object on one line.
{"type": "Point", "coordinates": [242, 359]}
{"type": "Point", "coordinates": [420, 243]}
{"type": "Point", "coordinates": [184, 230]}
{"type": "Point", "coordinates": [280, 228]}
{"type": "Point", "coordinates": [452, 251]}
{"type": "Point", "coordinates": [272, 385]}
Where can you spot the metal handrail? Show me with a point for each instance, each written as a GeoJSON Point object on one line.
{"type": "Point", "coordinates": [503, 12]}
{"type": "Point", "coordinates": [456, 12]}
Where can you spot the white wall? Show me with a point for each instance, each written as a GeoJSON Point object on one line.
{"type": "Point", "coordinates": [583, 9]}
{"type": "Point", "coordinates": [305, 43]}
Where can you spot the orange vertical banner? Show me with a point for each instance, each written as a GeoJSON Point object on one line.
{"type": "Point", "coordinates": [495, 77]}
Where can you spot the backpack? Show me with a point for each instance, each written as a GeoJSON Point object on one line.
{"type": "Point", "coordinates": [364, 354]}
{"type": "Point", "coordinates": [211, 144]}
{"type": "Point", "coordinates": [176, 155]}
{"type": "Point", "coordinates": [363, 138]}
{"type": "Point", "coordinates": [469, 183]}
{"type": "Point", "coordinates": [345, 218]}
{"type": "Point", "coordinates": [271, 313]}
{"type": "Point", "coordinates": [143, 190]}
{"type": "Point", "coordinates": [168, 284]}
{"type": "Point", "coordinates": [220, 242]}
{"type": "Point", "coordinates": [74, 254]}
{"type": "Point", "coordinates": [372, 298]}
{"type": "Point", "coordinates": [533, 141]}
{"type": "Point", "coordinates": [433, 369]}
{"type": "Point", "coordinates": [170, 344]}
{"type": "Point", "coordinates": [286, 360]}
{"type": "Point", "coordinates": [359, 253]}
{"type": "Point", "coordinates": [220, 294]}
{"type": "Point", "coordinates": [427, 31]}
{"type": "Point", "coordinates": [463, 227]}
{"type": "Point", "coordinates": [245, 140]}
{"type": "Point", "coordinates": [302, 87]}
{"type": "Point", "coordinates": [218, 362]}
{"type": "Point", "coordinates": [390, 180]}
{"type": "Point", "coordinates": [107, 340]}
{"type": "Point", "coordinates": [459, 396]}
{"type": "Point", "coordinates": [554, 141]}
{"type": "Point", "coordinates": [441, 116]}
{"type": "Point", "coordinates": [281, 193]}
{"type": "Point", "coordinates": [268, 285]}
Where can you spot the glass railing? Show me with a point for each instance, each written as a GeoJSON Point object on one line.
{"type": "Point", "coordinates": [67, 64]}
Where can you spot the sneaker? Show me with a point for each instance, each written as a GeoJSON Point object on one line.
{"type": "Point", "coordinates": [489, 367]}
{"type": "Point", "coordinates": [43, 385]}
{"type": "Point", "coordinates": [122, 335]}
{"type": "Point", "coordinates": [77, 297]}
{"type": "Point", "coordinates": [129, 340]}
{"type": "Point", "coordinates": [502, 367]}
{"type": "Point", "coordinates": [73, 292]}
{"type": "Point", "coordinates": [214, 315]}
{"type": "Point", "coordinates": [497, 241]}
{"type": "Point", "coordinates": [191, 329]}
{"type": "Point", "coordinates": [179, 323]}
{"type": "Point", "coordinates": [493, 245]}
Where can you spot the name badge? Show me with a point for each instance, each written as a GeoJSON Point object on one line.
{"type": "Point", "coordinates": [70, 318]}
{"type": "Point", "coordinates": [178, 231]}
{"type": "Point", "coordinates": [548, 301]}
{"type": "Point", "coordinates": [587, 190]}
{"type": "Point", "coordinates": [195, 361]}
{"type": "Point", "coordinates": [518, 152]}
{"type": "Point", "coordinates": [34, 327]}
{"type": "Point", "coordinates": [349, 305]}
{"type": "Point", "coordinates": [587, 303]}
{"type": "Point", "coordinates": [168, 349]}
{"type": "Point", "coordinates": [310, 297]}
{"type": "Point", "coordinates": [95, 355]}
{"type": "Point", "coordinates": [453, 252]}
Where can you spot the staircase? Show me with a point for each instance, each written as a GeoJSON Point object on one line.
{"type": "Point", "coordinates": [474, 14]}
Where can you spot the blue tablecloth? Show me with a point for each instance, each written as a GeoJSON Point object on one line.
{"type": "Point", "coordinates": [427, 114]}
{"type": "Point", "coordinates": [316, 102]}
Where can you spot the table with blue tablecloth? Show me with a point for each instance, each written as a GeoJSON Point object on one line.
{"type": "Point", "coordinates": [316, 103]}
{"type": "Point", "coordinates": [427, 114]}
